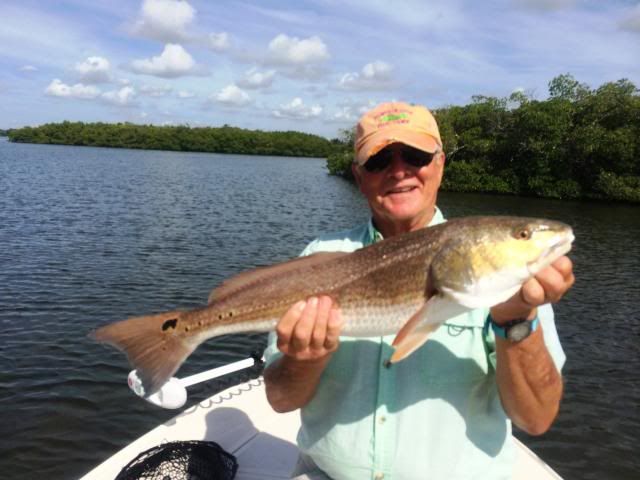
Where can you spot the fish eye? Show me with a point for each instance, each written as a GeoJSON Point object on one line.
{"type": "Point", "coordinates": [523, 234]}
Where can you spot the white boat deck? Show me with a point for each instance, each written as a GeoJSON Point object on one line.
{"type": "Point", "coordinates": [243, 423]}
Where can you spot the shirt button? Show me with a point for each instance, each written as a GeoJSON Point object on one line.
{"type": "Point", "coordinates": [379, 476]}
{"type": "Point", "coordinates": [382, 419]}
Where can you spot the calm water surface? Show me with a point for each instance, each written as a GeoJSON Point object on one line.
{"type": "Point", "coordinates": [88, 236]}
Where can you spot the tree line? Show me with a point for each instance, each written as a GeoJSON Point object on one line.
{"type": "Point", "coordinates": [578, 143]}
{"type": "Point", "coordinates": [224, 139]}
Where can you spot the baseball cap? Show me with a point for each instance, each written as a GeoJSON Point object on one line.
{"type": "Point", "coordinates": [392, 122]}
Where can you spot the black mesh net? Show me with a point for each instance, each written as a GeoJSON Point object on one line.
{"type": "Point", "coordinates": [189, 460]}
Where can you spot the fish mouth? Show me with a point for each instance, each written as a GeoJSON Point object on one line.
{"type": "Point", "coordinates": [559, 246]}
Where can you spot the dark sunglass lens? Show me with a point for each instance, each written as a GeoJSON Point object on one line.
{"type": "Point", "coordinates": [416, 158]}
{"type": "Point", "coordinates": [379, 161]}
{"type": "Point", "coordinates": [412, 156]}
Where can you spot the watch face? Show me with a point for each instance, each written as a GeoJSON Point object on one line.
{"type": "Point", "coordinates": [519, 331]}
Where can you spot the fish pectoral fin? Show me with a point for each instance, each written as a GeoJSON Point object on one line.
{"type": "Point", "coordinates": [410, 342]}
{"type": "Point", "coordinates": [428, 318]}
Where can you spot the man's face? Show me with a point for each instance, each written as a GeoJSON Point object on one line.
{"type": "Point", "coordinates": [402, 194]}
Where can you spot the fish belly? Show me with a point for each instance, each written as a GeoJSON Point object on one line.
{"type": "Point", "coordinates": [372, 320]}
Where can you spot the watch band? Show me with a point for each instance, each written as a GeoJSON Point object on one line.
{"type": "Point", "coordinates": [502, 331]}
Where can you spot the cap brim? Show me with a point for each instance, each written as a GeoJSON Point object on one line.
{"type": "Point", "coordinates": [421, 141]}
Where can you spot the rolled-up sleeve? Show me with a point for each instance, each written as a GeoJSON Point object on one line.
{"type": "Point", "coordinates": [271, 353]}
{"type": "Point", "coordinates": [551, 339]}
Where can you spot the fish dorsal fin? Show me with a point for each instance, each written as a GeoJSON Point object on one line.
{"type": "Point", "coordinates": [244, 279]}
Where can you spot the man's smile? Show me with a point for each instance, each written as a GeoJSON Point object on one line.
{"type": "Point", "coordinates": [400, 190]}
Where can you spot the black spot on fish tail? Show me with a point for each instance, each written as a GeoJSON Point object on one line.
{"type": "Point", "coordinates": [169, 324]}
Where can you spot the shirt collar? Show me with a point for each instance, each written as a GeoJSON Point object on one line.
{"type": "Point", "coordinates": [373, 235]}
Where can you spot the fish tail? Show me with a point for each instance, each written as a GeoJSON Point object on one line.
{"type": "Point", "coordinates": [153, 344]}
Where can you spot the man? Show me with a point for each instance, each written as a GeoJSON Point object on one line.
{"type": "Point", "coordinates": [445, 412]}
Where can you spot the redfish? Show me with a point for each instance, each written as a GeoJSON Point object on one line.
{"type": "Point", "coordinates": [408, 284]}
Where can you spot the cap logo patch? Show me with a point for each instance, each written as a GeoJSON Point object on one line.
{"type": "Point", "coordinates": [393, 117]}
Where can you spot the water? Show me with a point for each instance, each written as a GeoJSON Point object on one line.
{"type": "Point", "coordinates": [88, 236]}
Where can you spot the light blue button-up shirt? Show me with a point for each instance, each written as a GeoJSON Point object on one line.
{"type": "Point", "coordinates": [435, 415]}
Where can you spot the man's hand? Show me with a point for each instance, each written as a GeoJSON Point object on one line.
{"type": "Point", "coordinates": [310, 329]}
{"type": "Point", "coordinates": [548, 286]}
{"type": "Point", "coordinates": [307, 336]}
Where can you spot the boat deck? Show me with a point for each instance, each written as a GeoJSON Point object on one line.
{"type": "Point", "coordinates": [243, 423]}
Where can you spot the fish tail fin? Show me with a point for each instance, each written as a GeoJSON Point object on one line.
{"type": "Point", "coordinates": [153, 344]}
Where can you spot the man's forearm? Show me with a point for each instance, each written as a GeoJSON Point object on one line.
{"type": "Point", "coordinates": [291, 384]}
{"type": "Point", "coordinates": [529, 383]}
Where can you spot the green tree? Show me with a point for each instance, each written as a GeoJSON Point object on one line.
{"type": "Point", "coordinates": [567, 88]}
{"type": "Point", "coordinates": [225, 139]}
{"type": "Point", "coordinates": [339, 162]}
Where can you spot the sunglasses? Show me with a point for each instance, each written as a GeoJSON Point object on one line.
{"type": "Point", "coordinates": [411, 156]}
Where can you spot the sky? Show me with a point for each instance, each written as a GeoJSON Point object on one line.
{"type": "Point", "coordinates": [307, 65]}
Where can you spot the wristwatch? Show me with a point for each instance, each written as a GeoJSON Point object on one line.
{"type": "Point", "coordinates": [514, 330]}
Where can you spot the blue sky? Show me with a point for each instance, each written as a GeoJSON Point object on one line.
{"type": "Point", "coordinates": [308, 65]}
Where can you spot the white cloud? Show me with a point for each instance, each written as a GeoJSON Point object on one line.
{"type": "Point", "coordinates": [174, 61]}
{"type": "Point", "coordinates": [297, 109]}
{"type": "Point", "coordinates": [122, 97]}
{"type": "Point", "coordinates": [544, 5]}
{"type": "Point", "coordinates": [288, 14]}
{"type": "Point", "coordinates": [94, 70]}
{"type": "Point", "coordinates": [377, 69]}
{"type": "Point", "coordinates": [155, 91]}
{"type": "Point", "coordinates": [345, 114]}
{"type": "Point", "coordinates": [186, 94]}
{"type": "Point", "coordinates": [28, 68]}
{"type": "Point", "coordinates": [351, 111]}
{"type": "Point", "coordinates": [374, 76]}
{"type": "Point", "coordinates": [165, 20]}
{"type": "Point", "coordinates": [58, 89]}
{"type": "Point", "coordinates": [631, 22]}
{"type": "Point", "coordinates": [232, 95]}
{"type": "Point", "coordinates": [253, 79]}
{"type": "Point", "coordinates": [286, 50]}
{"type": "Point", "coordinates": [219, 42]}
{"type": "Point", "coordinates": [436, 15]}
{"type": "Point", "coordinates": [305, 72]}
